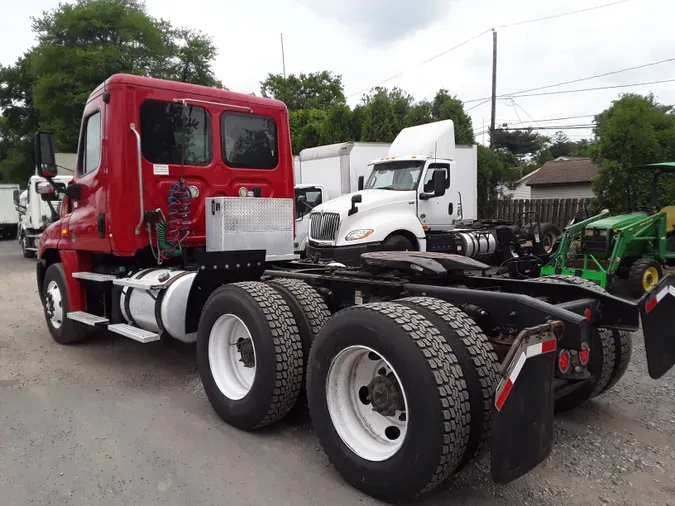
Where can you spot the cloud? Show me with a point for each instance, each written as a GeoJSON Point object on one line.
{"type": "Point", "coordinates": [381, 21]}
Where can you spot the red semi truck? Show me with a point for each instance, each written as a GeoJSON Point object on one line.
{"type": "Point", "coordinates": [178, 225]}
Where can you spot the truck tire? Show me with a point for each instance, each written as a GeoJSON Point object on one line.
{"type": "Point", "coordinates": [607, 363]}
{"type": "Point", "coordinates": [644, 274]}
{"type": "Point", "coordinates": [56, 306]}
{"type": "Point", "coordinates": [398, 242]}
{"type": "Point", "coordinates": [388, 400]}
{"type": "Point", "coordinates": [309, 311]}
{"type": "Point", "coordinates": [249, 355]}
{"type": "Point", "coordinates": [26, 253]}
{"type": "Point", "coordinates": [478, 359]}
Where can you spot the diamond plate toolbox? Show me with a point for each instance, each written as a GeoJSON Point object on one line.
{"type": "Point", "coordinates": [250, 223]}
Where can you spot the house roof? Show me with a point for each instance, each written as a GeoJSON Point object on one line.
{"type": "Point", "coordinates": [564, 171]}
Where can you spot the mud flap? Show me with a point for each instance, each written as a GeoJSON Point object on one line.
{"type": "Point", "coordinates": [522, 414]}
{"type": "Point", "coordinates": [656, 312]}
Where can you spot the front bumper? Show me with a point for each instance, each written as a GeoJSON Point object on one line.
{"type": "Point", "coordinates": [348, 255]}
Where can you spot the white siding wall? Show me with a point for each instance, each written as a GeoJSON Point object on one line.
{"type": "Point", "coordinates": [522, 191]}
{"type": "Point", "coordinates": [562, 191]}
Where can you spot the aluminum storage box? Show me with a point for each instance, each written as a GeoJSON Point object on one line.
{"type": "Point", "coordinates": [250, 223]}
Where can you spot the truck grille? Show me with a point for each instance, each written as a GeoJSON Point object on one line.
{"type": "Point", "coordinates": [324, 226]}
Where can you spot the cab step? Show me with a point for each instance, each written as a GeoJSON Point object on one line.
{"type": "Point", "coordinates": [94, 276]}
{"type": "Point", "coordinates": [140, 335]}
{"type": "Point", "coordinates": [87, 318]}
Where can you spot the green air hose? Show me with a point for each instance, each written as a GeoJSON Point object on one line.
{"type": "Point", "coordinates": [164, 246]}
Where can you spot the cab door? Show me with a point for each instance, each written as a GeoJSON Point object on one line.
{"type": "Point", "coordinates": [88, 227]}
{"type": "Point", "coordinates": [437, 213]}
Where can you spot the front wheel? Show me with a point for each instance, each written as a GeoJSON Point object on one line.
{"type": "Point", "coordinates": [398, 242]}
{"type": "Point", "coordinates": [26, 253]}
{"type": "Point", "coordinates": [56, 306]}
{"type": "Point", "coordinates": [644, 274]}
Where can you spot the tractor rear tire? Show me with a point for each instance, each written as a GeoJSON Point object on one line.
{"type": "Point", "coordinates": [309, 310]}
{"type": "Point", "coordinates": [249, 324]}
{"type": "Point", "coordinates": [390, 356]}
{"type": "Point", "coordinates": [644, 274]}
{"type": "Point", "coordinates": [548, 239]}
{"type": "Point", "coordinates": [56, 305]}
{"type": "Point", "coordinates": [478, 359]}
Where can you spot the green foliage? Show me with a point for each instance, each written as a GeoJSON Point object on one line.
{"type": "Point", "coordinates": [80, 45]}
{"type": "Point", "coordinates": [521, 143]}
{"type": "Point", "coordinates": [634, 130]}
{"type": "Point", "coordinates": [318, 90]}
{"type": "Point", "coordinates": [490, 175]}
{"type": "Point", "coordinates": [446, 107]}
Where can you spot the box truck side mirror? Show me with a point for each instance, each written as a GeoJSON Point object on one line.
{"type": "Point", "coordinates": [15, 196]}
{"type": "Point", "coordinates": [45, 158]}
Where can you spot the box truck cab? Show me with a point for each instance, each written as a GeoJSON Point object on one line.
{"type": "Point", "coordinates": [410, 198]}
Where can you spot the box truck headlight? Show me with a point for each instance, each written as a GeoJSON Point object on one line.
{"type": "Point", "coordinates": [361, 233]}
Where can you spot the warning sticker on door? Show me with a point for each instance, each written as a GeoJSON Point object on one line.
{"type": "Point", "coordinates": [160, 170]}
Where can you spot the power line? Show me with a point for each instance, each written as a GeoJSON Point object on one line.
{"type": "Point", "coordinates": [519, 93]}
{"type": "Point", "coordinates": [578, 90]}
{"type": "Point", "coordinates": [557, 119]}
{"type": "Point", "coordinates": [420, 64]}
{"type": "Point", "coordinates": [518, 23]}
{"type": "Point", "coordinates": [561, 127]}
{"type": "Point", "coordinates": [509, 25]}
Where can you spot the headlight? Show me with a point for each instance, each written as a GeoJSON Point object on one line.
{"type": "Point", "coordinates": [588, 232]}
{"type": "Point", "coordinates": [603, 233]}
{"type": "Point", "coordinates": [361, 233]}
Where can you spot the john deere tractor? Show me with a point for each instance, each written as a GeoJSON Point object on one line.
{"type": "Point", "coordinates": [632, 246]}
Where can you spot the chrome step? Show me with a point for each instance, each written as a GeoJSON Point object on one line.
{"type": "Point", "coordinates": [87, 318]}
{"type": "Point", "coordinates": [141, 284]}
{"type": "Point", "coordinates": [140, 335]}
{"type": "Point", "coordinates": [94, 276]}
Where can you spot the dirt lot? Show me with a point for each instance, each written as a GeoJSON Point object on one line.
{"type": "Point", "coordinates": [113, 421]}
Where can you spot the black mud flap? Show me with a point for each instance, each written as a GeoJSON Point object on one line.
{"type": "Point", "coordinates": [522, 412]}
{"type": "Point", "coordinates": [657, 312]}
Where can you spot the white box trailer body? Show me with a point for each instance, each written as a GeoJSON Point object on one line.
{"type": "Point", "coordinates": [9, 214]}
{"type": "Point", "coordinates": [466, 179]}
{"type": "Point", "coordinates": [337, 167]}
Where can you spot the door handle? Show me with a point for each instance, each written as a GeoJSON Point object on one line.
{"type": "Point", "coordinates": [450, 208]}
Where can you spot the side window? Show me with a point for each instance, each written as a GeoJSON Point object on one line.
{"type": "Point", "coordinates": [170, 131]}
{"type": "Point", "coordinates": [249, 141]}
{"type": "Point", "coordinates": [428, 178]}
{"type": "Point", "coordinates": [91, 144]}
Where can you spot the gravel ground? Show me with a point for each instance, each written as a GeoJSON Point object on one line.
{"type": "Point", "coordinates": [113, 421]}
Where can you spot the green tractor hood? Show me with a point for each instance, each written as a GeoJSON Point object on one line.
{"type": "Point", "coordinates": [614, 222]}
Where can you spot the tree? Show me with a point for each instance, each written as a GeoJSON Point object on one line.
{"type": "Point", "coordinates": [380, 121]}
{"type": "Point", "coordinates": [444, 107]}
{"type": "Point", "coordinates": [520, 143]}
{"type": "Point", "coordinates": [634, 130]}
{"type": "Point", "coordinates": [560, 145]}
{"type": "Point", "coordinates": [80, 45]}
{"type": "Point", "coordinates": [338, 125]}
{"type": "Point", "coordinates": [318, 90]}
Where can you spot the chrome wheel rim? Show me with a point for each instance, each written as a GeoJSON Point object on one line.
{"type": "Point", "coordinates": [54, 304]}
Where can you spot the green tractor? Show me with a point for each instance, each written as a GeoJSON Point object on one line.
{"type": "Point", "coordinates": [632, 246]}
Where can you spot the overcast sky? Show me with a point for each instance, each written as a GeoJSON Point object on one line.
{"type": "Point", "coordinates": [368, 41]}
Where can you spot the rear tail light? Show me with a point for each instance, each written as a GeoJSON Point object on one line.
{"type": "Point", "coordinates": [564, 361]}
{"type": "Point", "coordinates": [588, 313]}
{"type": "Point", "coordinates": [584, 354]}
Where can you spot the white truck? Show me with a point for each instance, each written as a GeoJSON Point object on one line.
{"type": "Point", "coordinates": [326, 172]}
{"type": "Point", "coordinates": [421, 196]}
{"type": "Point", "coordinates": [9, 215]}
{"type": "Point", "coordinates": [38, 211]}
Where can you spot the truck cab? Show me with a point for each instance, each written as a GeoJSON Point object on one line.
{"type": "Point", "coordinates": [411, 197]}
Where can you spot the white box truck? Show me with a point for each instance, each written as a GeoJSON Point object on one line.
{"type": "Point", "coordinates": [9, 214]}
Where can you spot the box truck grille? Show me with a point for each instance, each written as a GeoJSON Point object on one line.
{"type": "Point", "coordinates": [324, 226]}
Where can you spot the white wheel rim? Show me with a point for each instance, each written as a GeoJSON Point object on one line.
{"type": "Point", "coordinates": [54, 303]}
{"type": "Point", "coordinates": [369, 434]}
{"type": "Point", "coordinates": [233, 378]}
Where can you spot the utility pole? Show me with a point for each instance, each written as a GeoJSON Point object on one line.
{"type": "Point", "coordinates": [494, 87]}
{"type": "Point", "coordinates": [283, 57]}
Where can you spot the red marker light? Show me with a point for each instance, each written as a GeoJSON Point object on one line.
{"type": "Point", "coordinates": [584, 356]}
{"type": "Point", "coordinates": [588, 313]}
{"type": "Point", "coordinates": [564, 361]}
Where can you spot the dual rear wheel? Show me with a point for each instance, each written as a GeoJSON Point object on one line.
{"type": "Point", "coordinates": [399, 393]}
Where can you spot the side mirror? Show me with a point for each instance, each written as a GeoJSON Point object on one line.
{"type": "Point", "coordinates": [44, 188]}
{"type": "Point", "coordinates": [15, 196]}
{"type": "Point", "coordinates": [356, 199]}
{"type": "Point", "coordinates": [439, 182]}
{"type": "Point", "coordinates": [45, 159]}
{"type": "Point", "coordinates": [361, 182]}
{"type": "Point", "coordinates": [73, 191]}
{"type": "Point", "coordinates": [300, 206]}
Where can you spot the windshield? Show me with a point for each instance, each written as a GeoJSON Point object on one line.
{"type": "Point", "coordinates": [400, 176]}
